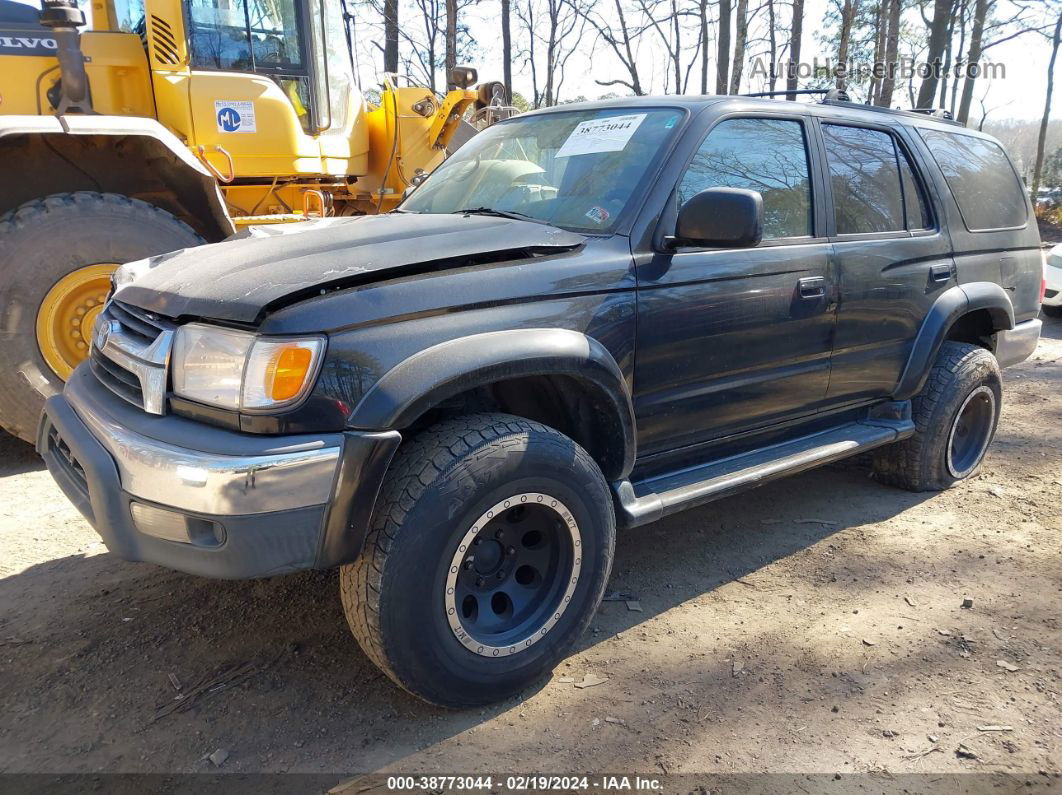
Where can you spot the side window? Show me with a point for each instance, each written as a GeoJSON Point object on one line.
{"type": "Point", "coordinates": [915, 205]}
{"type": "Point", "coordinates": [129, 14]}
{"type": "Point", "coordinates": [765, 155]}
{"type": "Point", "coordinates": [865, 177]}
{"type": "Point", "coordinates": [981, 179]}
{"type": "Point", "coordinates": [245, 35]}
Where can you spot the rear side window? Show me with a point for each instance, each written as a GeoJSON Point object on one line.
{"type": "Point", "coordinates": [875, 188]}
{"type": "Point", "coordinates": [981, 179]}
{"type": "Point", "coordinates": [765, 155]}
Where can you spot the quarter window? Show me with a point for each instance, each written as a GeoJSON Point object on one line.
{"type": "Point", "coordinates": [765, 155]}
{"type": "Point", "coordinates": [865, 178]}
{"type": "Point", "coordinates": [981, 179]}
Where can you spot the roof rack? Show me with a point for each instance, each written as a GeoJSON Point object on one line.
{"type": "Point", "coordinates": [837, 96]}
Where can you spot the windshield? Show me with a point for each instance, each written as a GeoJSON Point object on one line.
{"type": "Point", "coordinates": [573, 169]}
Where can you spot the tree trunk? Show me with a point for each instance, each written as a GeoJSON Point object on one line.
{"type": "Point", "coordinates": [772, 80]}
{"type": "Point", "coordinates": [795, 35]}
{"type": "Point", "coordinates": [677, 58]}
{"type": "Point", "coordinates": [703, 10]}
{"type": "Point", "coordinates": [507, 52]}
{"type": "Point", "coordinates": [880, 37]}
{"type": "Point", "coordinates": [1042, 140]}
{"type": "Point", "coordinates": [391, 36]}
{"type": "Point", "coordinates": [948, 48]}
{"type": "Point", "coordinates": [847, 16]}
{"type": "Point", "coordinates": [722, 58]}
{"type": "Point", "coordinates": [451, 40]}
{"type": "Point", "coordinates": [741, 35]}
{"type": "Point", "coordinates": [938, 33]}
{"type": "Point", "coordinates": [892, 47]}
{"type": "Point", "coordinates": [972, 59]}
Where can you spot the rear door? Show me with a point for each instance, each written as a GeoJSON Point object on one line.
{"type": "Point", "coordinates": [892, 252]}
{"type": "Point", "coordinates": [735, 339]}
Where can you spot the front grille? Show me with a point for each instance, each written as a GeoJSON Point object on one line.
{"type": "Point", "coordinates": [131, 362]}
{"type": "Point", "coordinates": [65, 459]}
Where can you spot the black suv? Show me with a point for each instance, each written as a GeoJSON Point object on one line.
{"type": "Point", "coordinates": [591, 316]}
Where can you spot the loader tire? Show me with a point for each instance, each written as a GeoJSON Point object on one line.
{"type": "Point", "coordinates": [56, 255]}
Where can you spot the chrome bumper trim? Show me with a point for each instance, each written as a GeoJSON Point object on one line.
{"type": "Point", "coordinates": [1017, 344]}
{"type": "Point", "coordinates": [217, 485]}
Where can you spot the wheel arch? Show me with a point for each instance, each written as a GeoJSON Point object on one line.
{"type": "Point", "coordinates": [971, 312]}
{"type": "Point", "coordinates": [561, 378]}
{"type": "Point", "coordinates": [138, 158]}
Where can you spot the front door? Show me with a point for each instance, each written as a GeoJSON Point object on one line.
{"type": "Point", "coordinates": [731, 340]}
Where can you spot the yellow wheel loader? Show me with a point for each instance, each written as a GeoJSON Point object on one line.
{"type": "Point", "coordinates": [169, 124]}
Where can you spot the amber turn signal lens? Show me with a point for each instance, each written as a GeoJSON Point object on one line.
{"type": "Point", "coordinates": [287, 371]}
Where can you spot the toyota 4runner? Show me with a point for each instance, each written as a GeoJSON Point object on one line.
{"type": "Point", "coordinates": [590, 317]}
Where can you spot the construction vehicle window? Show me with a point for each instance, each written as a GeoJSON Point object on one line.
{"type": "Point", "coordinates": [765, 155]}
{"type": "Point", "coordinates": [576, 169]}
{"type": "Point", "coordinates": [129, 15]}
{"type": "Point", "coordinates": [246, 35]}
{"type": "Point", "coordinates": [865, 177]}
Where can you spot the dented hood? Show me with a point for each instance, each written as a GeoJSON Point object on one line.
{"type": "Point", "coordinates": [267, 267]}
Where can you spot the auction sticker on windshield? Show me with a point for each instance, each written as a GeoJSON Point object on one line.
{"type": "Point", "coordinates": [601, 135]}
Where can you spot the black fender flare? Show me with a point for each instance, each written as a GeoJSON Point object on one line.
{"type": "Point", "coordinates": [950, 305]}
{"type": "Point", "coordinates": [449, 368]}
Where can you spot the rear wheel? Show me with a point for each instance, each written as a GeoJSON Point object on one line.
{"type": "Point", "coordinates": [56, 258]}
{"type": "Point", "coordinates": [488, 554]}
{"type": "Point", "coordinates": [955, 418]}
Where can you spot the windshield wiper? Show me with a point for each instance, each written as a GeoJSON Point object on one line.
{"type": "Point", "coordinates": [500, 214]}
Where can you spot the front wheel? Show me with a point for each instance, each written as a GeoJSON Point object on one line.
{"type": "Point", "coordinates": [488, 554]}
{"type": "Point", "coordinates": [56, 259]}
{"type": "Point", "coordinates": [955, 418]}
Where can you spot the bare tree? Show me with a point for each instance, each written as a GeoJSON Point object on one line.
{"type": "Point", "coordinates": [621, 40]}
{"type": "Point", "coordinates": [973, 57]}
{"type": "Point", "coordinates": [702, 13]}
{"type": "Point", "coordinates": [451, 40]}
{"type": "Point", "coordinates": [1041, 140]}
{"type": "Point", "coordinates": [796, 33]}
{"type": "Point", "coordinates": [848, 12]}
{"type": "Point", "coordinates": [892, 47]}
{"type": "Point", "coordinates": [741, 37]}
{"type": "Point", "coordinates": [772, 45]}
{"type": "Point", "coordinates": [938, 34]}
{"type": "Point", "coordinates": [554, 30]}
{"type": "Point", "coordinates": [507, 52]}
{"type": "Point", "coordinates": [722, 58]}
{"type": "Point", "coordinates": [390, 15]}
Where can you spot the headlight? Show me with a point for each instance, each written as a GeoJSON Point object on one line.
{"type": "Point", "coordinates": [238, 370]}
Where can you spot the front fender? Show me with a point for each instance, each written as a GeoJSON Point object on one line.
{"type": "Point", "coordinates": [951, 305]}
{"type": "Point", "coordinates": [431, 376]}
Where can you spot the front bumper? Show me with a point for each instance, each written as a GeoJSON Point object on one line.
{"type": "Point", "coordinates": [206, 500]}
{"type": "Point", "coordinates": [1053, 279]}
{"type": "Point", "coordinates": [1017, 344]}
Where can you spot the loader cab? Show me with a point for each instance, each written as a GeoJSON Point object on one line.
{"type": "Point", "coordinates": [265, 87]}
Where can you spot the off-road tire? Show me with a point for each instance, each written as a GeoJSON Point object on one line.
{"type": "Point", "coordinates": [439, 483]}
{"type": "Point", "coordinates": [42, 241]}
{"type": "Point", "coordinates": [919, 463]}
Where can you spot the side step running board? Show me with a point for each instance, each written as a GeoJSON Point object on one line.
{"type": "Point", "coordinates": [654, 498]}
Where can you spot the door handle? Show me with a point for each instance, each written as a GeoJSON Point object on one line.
{"type": "Point", "coordinates": [812, 287]}
{"type": "Point", "coordinates": [940, 273]}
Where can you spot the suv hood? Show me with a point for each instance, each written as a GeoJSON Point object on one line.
{"type": "Point", "coordinates": [263, 268]}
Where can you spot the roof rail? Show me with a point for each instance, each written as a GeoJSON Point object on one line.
{"type": "Point", "coordinates": [830, 94]}
{"type": "Point", "coordinates": [938, 113]}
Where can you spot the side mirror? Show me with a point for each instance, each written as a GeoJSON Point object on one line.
{"type": "Point", "coordinates": [720, 218]}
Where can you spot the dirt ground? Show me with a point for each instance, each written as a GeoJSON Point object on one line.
{"type": "Point", "coordinates": [815, 625]}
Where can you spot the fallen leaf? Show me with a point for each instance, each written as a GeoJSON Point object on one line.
{"type": "Point", "coordinates": [634, 605]}
{"type": "Point", "coordinates": [908, 600]}
{"type": "Point", "coordinates": [591, 680]}
{"type": "Point", "coordinates": [868, 642]}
